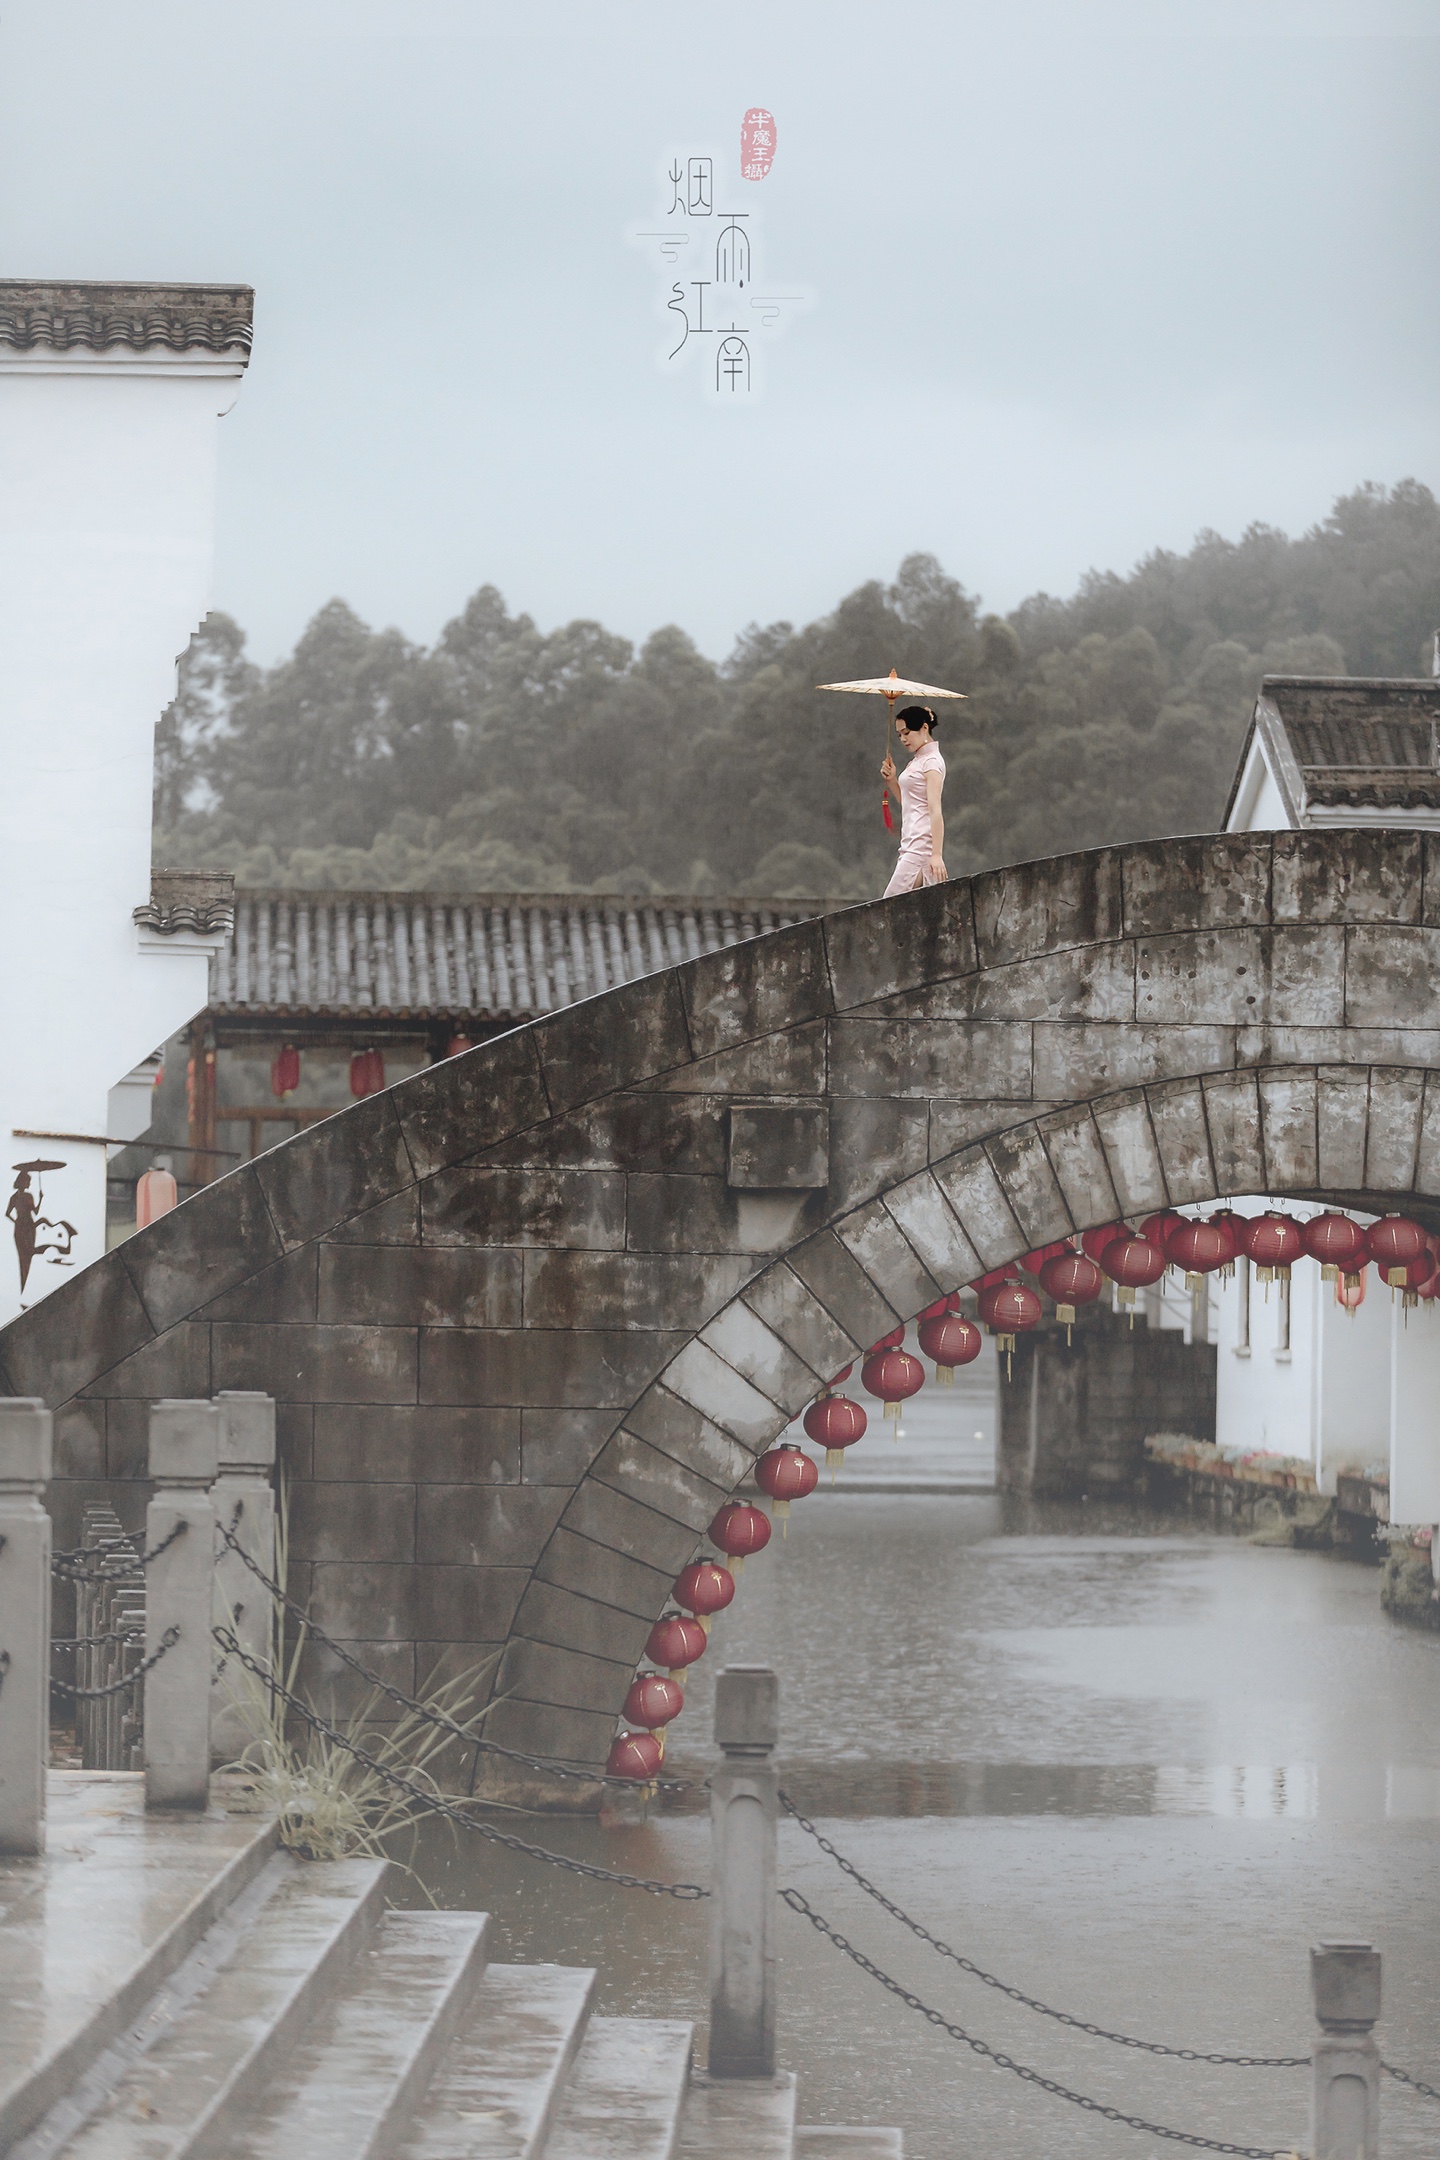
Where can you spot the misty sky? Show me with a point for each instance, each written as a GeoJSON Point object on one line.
{"type": "Point", "coordinates": [1084, 279]}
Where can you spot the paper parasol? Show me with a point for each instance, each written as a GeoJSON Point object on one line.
{"type": "Point", "coordinates": [890, 687]}
{"type": "Point", "coordinates": [39, 1164]}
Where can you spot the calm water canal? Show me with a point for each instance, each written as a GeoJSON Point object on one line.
{"type": "Point", "coordinates": [1134, 1771]}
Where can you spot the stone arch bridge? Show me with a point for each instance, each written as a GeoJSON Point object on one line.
{"type": "Point", "coordinates": [530, 1315]}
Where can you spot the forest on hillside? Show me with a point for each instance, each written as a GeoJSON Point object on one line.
{"type": "Point", "coordinates": [505, 758]}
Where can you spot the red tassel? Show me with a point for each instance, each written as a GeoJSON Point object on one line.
{"type": "Point", "coordinates": [885, 811]}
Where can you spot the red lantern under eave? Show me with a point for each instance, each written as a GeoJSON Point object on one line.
{"type": "Point", "coordinates": [675, 1642]}
{"type": "Point", "coordinates": [740, 1529]}
{"type": "Point", "coordinates": [1094, 1242]}
{"type": "Point", "coordinates": [653, 1700]}
{"type": "Point", "coordinates": [893, 1375]}
{"type": "Point", "coordinates": [367, 1074]}
{"type": "Point", "coordinates": [1071, 1280]}
{"type": "Point", "coordinates": [1033, 1262]}
{"type": "Point", "coordinates": [1337, 1243]}
{"type": "Point", "coordinates": [1272, 1242]}
{"type": "Point", "coordinates": [636, 1755]}
{"type": "Point", "coordinates": [1133, 1263]}
{"type": "Point", "coordinates": [285, 1072]}
{"type": "Point", "coordinates": [1199, 1248]}
{"type": "Point", "coordinates": [1159, 1227]}
{"type": "Point", "coordinates": [834, 1422]}
{"type": "Point", "coordinates": [786, 1473]}
{"type": "Point", "coordinates": [950, 1341]}
{"type": "Point", "coordinates": [1392, 1244]}
{"type": "Point", "coordinates": [458, 1044]}
{"type": "Point", "coordinates": [1008, 1311]}
{"type": "Point", "coordinates": [704, 1588]}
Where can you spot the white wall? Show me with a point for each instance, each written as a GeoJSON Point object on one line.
{"type": "Point", "coordinates": [1355, 1362]}
{"type": "Point", "coordinates": [107, 479]}
{"type": "Point", "coordinates": [1414, 1435]}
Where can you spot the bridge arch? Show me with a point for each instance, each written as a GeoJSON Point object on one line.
{"type": "Point", "coordinates": [530, 1314]}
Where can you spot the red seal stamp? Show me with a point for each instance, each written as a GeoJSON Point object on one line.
{"type": "Point", "coordinates": [757, 143]}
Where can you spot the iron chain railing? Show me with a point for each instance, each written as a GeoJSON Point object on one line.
{"type": "Point", "coordinates": [126, 1680]}
{"type": "Point", "coordinates": [68, 1565]}
{"type": "Point", "coordinates": [1416, 2085]}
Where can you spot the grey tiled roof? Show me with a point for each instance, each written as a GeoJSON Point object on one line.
{"type": "Point", "coordinates": [36, 313]}
{"type": "Point", "coordinates": [488, 956]}
{"type": "Point", "coordinates": [1342, 742]}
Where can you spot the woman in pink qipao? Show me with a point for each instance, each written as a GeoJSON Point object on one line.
{"type": "Point", "coordinates": [919, 787]}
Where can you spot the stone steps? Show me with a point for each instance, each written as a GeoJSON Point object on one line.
{"type": "Point", "coordinates": [495, 2095]}
{"type": "Point", "coordinates": [625, 2097]}
{"type": "Point", "coordinates": [726, 2118]}
{"type": "Point", "coordinates": [842, 2144]}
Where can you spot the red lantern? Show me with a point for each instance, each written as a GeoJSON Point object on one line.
{"type": "Point", "coordinates": [1007, 1310]}
{"type": "Point", "coordinates": [1336, 1242]}
{"type": "Point", "coordinates": [893, 1375]}
{"type": "Point", "coordinates": [1133, 1262]}
{"type": "Point", "coordinates": [156, 1192]}
{"type": "Point", "coordinates": [1033, 1262]}
{"type": "Point", "coordinates": [1071, 1280]}
{"type": "Point", "coordinates": [994, 1279]}
{"type": "Point", "coordinates": [1094, 1242]}
{"type": "Point", "coordinates": [739, 1529]}
{"type": "Point", "coordinates": [950, 1341]}
{"type": "Point", "coordinates": [1199, 1248]}
{"type": "Point", "coordinates": [1273, 1242]}
{"type": "Point", "coordinates": [1349, 1288]}
{"type": "Point", "coordinates": [704, 1588]}
{"type": "Point", "coordinates": [892, 1341]}
{"type": "Point", "coordinates": [1392, 1244]}
{"type": "Point", "coordinates": [1158, 1227]}
{"type": "Point", "coordinates": [636, 1755]}
{"type": "Point", "coordinates": [1413, 1277]}
{"type": "Point", "coordinates": [834, 1422]}
{"type": "Point", "coordinates": [786, 1473]}
{"type": "Point", "coordinates": [653, 1700]}
{"type": "Point", "coordinates": [285, 1072]}
{"type": "Point", "coordinates": [675, 1642]}
{"type": "Point", "coordinates": [459, 1043]}
{"type": "Point", "coordinates": [1232, 1228]}
{"type": "Point", "coordinates": [842, 1376]}
{"type": "Point", "coordinates": [367, 1074]}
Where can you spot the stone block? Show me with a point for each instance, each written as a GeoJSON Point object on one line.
{"type": "Point", "coordinates": [929, 1057]}
{"type": "Point", "coordinates": [337, 1692]}
{"type": "Point", "coordinates": [682, 1214]}
{"type": "Point", "coordinates": [127, 1439]}
{"type": "Point", "coordinates": [389, 1222]}
{"type": "Point", "coordinates": [1391, 974]}
{"type": "Point", "coordinates": [779, 1146]}
{"type": "Point", "coordinates": [1086, 982]}
{"type": "Point", "coordinates": [81, 1330]}
{"type": "Point", "coordinates": [295, 1439]}
{"type": "Point", "coordinates": [557, 1447]}
{"type": "Point", "coordinates": [873, 1238]}
{"type": "Point", "coordinates": [759, 1355]}
{"type": "Point", "coordinates": [247, 1434]}
{"type": "Point", "coordinates": [1077, 1155]}
{"type": "Point", "coordinates": [466, 1604]}
{"type": "Point", "coordinates": [758, 987]}
{"type": "Point", "coordinates": [1342, 1114]}
{"type": "Point", "coordinates": [334, 1170]}
{"type": "Point", "coordinates": [799, 1319]}
{"type": "Point", "coordinates": [635, 1290]}
{"type": "Point", "coordinates": [791, 1062]}
{"type": "Point", "coordinates": [1136, 1172]}
{"type": "Point", "coordinates": [1232, 1113]}
{"type": "Point", "coordinates": [956, 1125]}
{"type": "Point", "coordinates": [1430, 902]}
{"type": "Point", "coordinates": [889, 946]}
{"type": "Point", "coordinates": [184, 1443]}
{"type": "Point", "coordinates": [217, 1239]}
{"type": "Point", "coordinates": [436, 1286]}
{"type": "Point", "coordinates": [658, 1482]}
{"type": "Point", "coordinates": [1347, 876]}
{"type": "Point", "coordinates": [589, 1570]}
{"type": "Point", "coordinates": [1337, 1046]}
{"type": "Point", "coordinates": [874, 1139]}
{"type": "Point", "coordinates": [472, 1102]}
{"type": "Point", "coordinates": [177, 1363]}
{"type": "Point", "coordinates": [1019, 1160]}
{"type": "Point", "coordinates": [636, 1131]}
{"type": "Point", "coordinates": [316, 1364]}
{"type": "Point", "coordinates": [1214, 880]}
{"type": "Point", "coordinates": [1233, 978]}
{"type": "Point", "coordinates": [582, 1210]}
{"type": "Point", "coordinates": [1427, 1161]}
{"type": "Point", "coordinates": [837, 1279]}
{"type": "Point", "coordinates": [416, 1445]}
{"type": "Point", "coordinates": [567, 1368]}
{"type": "Point", "coordinates": [627, 1526]}
{"type": "Point", "coordinates": [549, 1614]}
{"type": "Point", "coordinates": [678, 1429]}
{"type": "Point", "coordinates": [538, 1672]}
{"type": "Point", "coordinates": [1177, 1119]}
{"type": "Point", "coordinates": [1077, 1059]}
{"type": "Point", "coordinates": [284, 1291]}
{"type": "Point", "coordinates": [353, 1521]}
{"type": "Point", "coordinates": [929, 1223]}
{"type": "Point", "coordinates": [698, 1376]}
{"type": "Point", "coordinates": [1040, 907]}
{"type": "Point", "coordinates": [618, 1040]}
{"type": "Point", "coordinates": [79, 1442]}
{"type": "Point", "coordinates": [566, 1736]}
{"type": "Point", "coordinates": [1393, 1139]}
{"type": "Point", "coordinates": [1287, 1125]}
{"type": "Point", "coordinates": [485, 1525]}
{"type": "Point", "coordinates": [976, 1194]}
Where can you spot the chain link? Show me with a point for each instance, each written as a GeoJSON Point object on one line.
{"type": "Point", "coordinates": [1415, 2084]}
{"type": "Point", "coordinates": [90, 1642]}
{"type": "Point", "coordinates": [800, 1904]}
{"type": "Point", "coordinates": [1015, 1994]}
{"type": "Point", "coordinates": [127, 1680]}
{"type": "Point", "coordinates": [424, 1710]}
{"type": "Point", "coordinates": [68, 1568]}
{"type": "Point", "coordinates": [434, 1804]}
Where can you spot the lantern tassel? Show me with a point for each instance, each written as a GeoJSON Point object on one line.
{"type": "Point", "coordinates": [945, 1375]}
{"type": "Point", "coordinates": [885, 811]}
{"type": "Point", "coordinates": [892, 1410]}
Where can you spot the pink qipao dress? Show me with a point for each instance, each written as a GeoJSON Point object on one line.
{"type": "Point", "coordinates": [912, 866]}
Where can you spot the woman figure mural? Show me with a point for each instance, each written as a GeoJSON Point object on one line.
{"type": "Point", "coordinates": [919, 788]}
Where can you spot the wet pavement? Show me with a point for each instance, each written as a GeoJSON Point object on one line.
{"type": "Point", "coordinates": [1133, 1770]}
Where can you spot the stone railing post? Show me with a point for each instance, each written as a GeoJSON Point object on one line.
{"type": "Point", "coordinates": [247, 1467]}
{"type": "Point", "coordinates": [180, 1595]}
{"type": "Point", "coordinates": [1345, 2094]}
{"type": "Point", "coordinates": [744, 1809]}
{"type": "Point", "coordinates": [25, 1426]}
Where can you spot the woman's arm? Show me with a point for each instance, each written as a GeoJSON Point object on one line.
{"type": "Point", "coordinates": [934, 787]}
{"type": "Point", "coordinates": [891, 779]}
